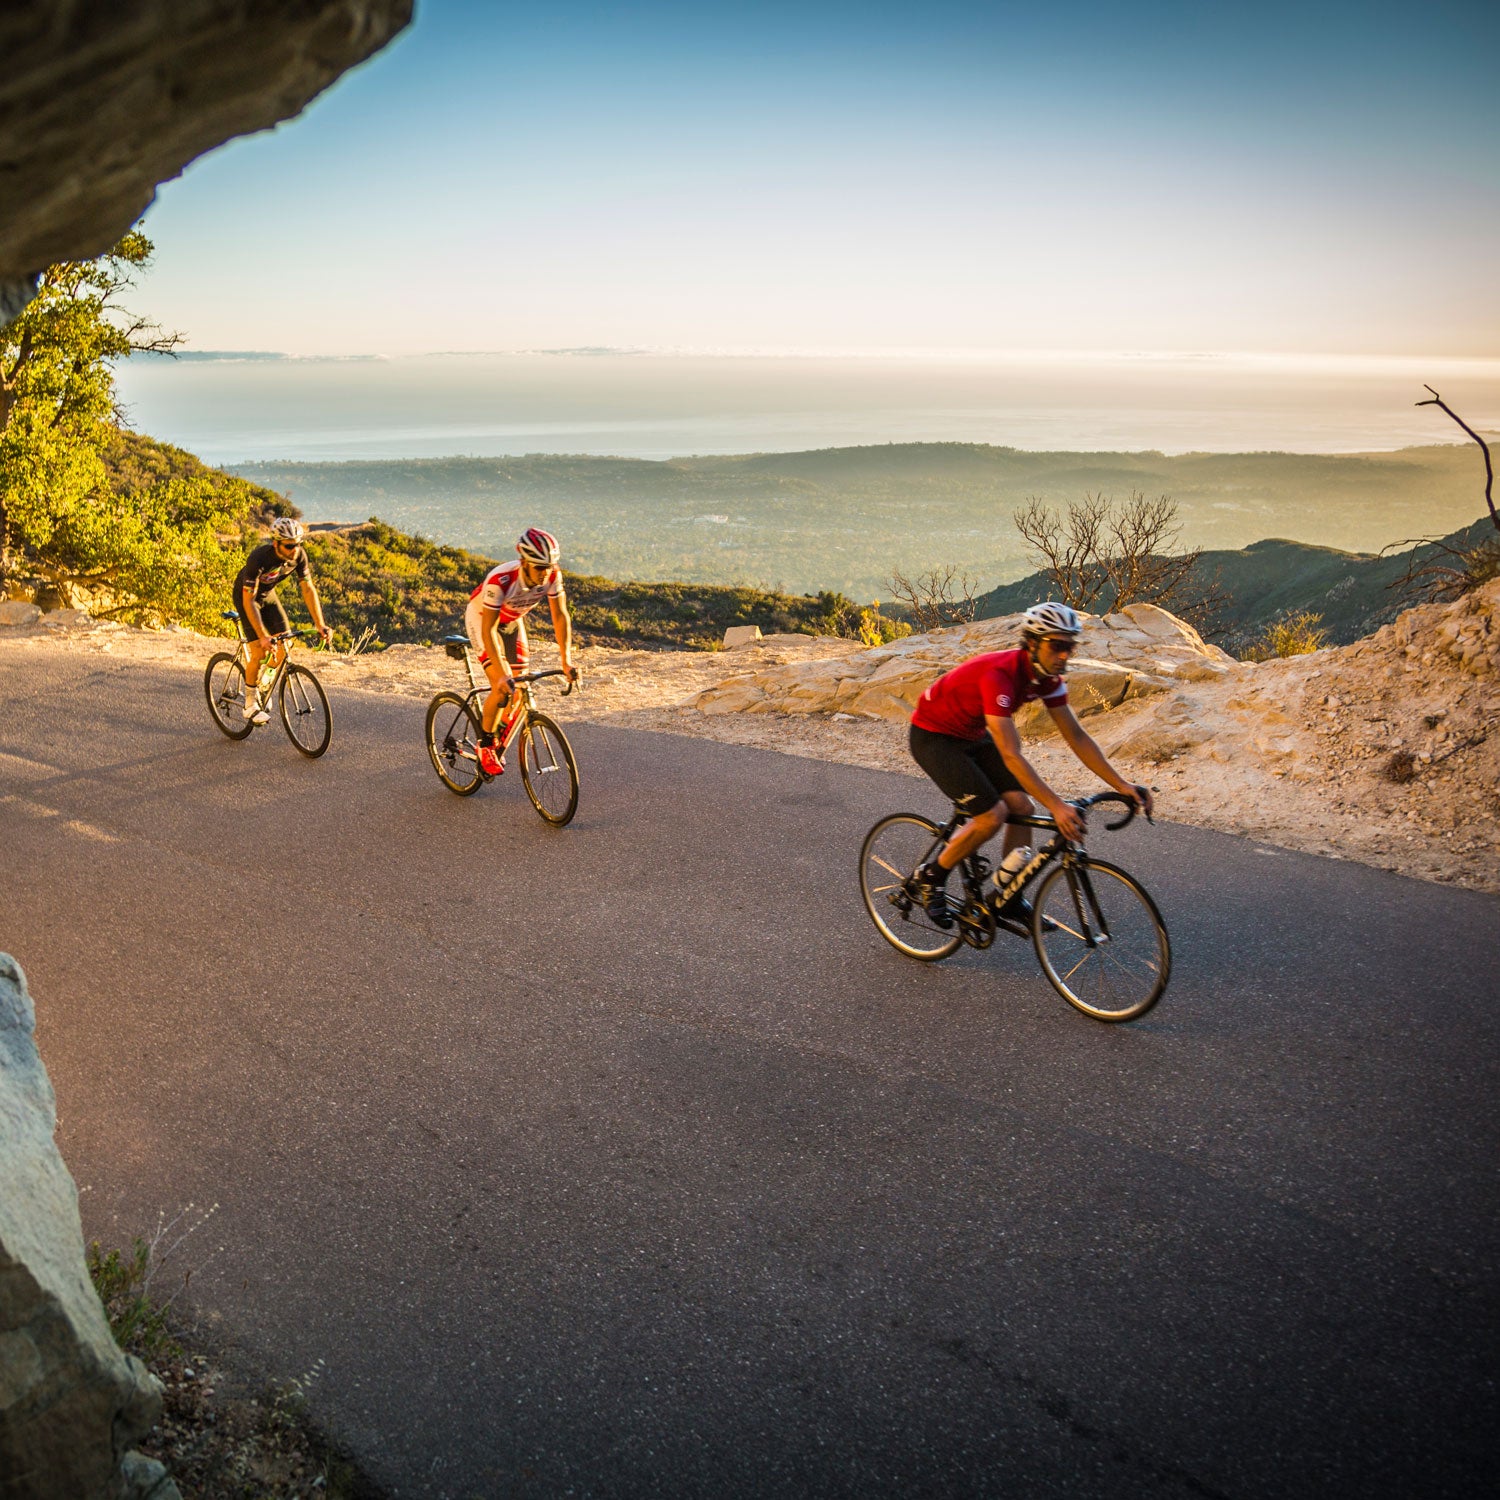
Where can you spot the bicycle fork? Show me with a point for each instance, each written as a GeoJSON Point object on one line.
{"type": "Point", "coordinates": [1081, 888]}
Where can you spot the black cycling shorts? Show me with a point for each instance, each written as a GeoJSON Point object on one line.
{"type": "Point", "coordinates": [970, 773]}
{"type": "Point", "coordinates": [272, 616]}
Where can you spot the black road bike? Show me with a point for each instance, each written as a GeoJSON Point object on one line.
{"type": "Point", "coordinates": [548, 771]}
{"type": "Point", "coordinates": [1097, 933]}
{"type": "Point", "coordinates": [300, 698]}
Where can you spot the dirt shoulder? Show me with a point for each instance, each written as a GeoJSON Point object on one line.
{"type": "Point", "coordinates": [1385, 751]}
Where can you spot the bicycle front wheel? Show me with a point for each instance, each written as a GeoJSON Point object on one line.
{"type": "Point", "coordinates": [1100, 939]}
{"type": "Point", "coordinates": [224, 685]}
{"type": "Point", "coordinates": [304, 711]}
{"type": "Point", "coordinates": [548, 771]}
{"type": "Point", "coordinates": [453, 744]}
{"type": "Point", "coordinates": [892, 850]}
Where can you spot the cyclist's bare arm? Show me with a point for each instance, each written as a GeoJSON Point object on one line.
{"type": "Point", "coordinates": [1086, 748]}
{"type": "Point", "coordinates": [562, 629]}
{"type": "Point", "coordinates": [315, 608]}
{"type": "Point", "coordinates": [1008, 742]}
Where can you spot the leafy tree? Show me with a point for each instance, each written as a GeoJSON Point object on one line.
{"type": "Point", "coordinates": [142, 545]}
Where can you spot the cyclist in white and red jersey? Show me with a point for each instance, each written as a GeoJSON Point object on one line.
{"type": "Point", "coordinates": [496, 623]}
{"type": "Point", "coordinates": [963, 734]}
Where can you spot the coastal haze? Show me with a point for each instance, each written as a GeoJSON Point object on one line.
{"type": "Point", "coordinates": [830, 470]}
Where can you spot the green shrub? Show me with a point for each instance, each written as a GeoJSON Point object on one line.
{"type": "Point", "coordinates": [1292, 635]}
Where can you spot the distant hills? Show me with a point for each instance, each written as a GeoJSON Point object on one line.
{"type": "Point", "coordinates": [1270, 579]}
{"type": "Point", "coordinates": [843, 518]}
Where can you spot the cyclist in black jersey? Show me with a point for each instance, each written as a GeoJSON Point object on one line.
{"type": "Point", "coordinates": [260, 610]}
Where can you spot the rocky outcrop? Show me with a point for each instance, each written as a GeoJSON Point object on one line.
{"type": "Point", "coordinates": [71, 1403]}
{"type": "Point", "coordinates": [100, 103]}
{"type": "Point", "coordinates": [1139, 651]}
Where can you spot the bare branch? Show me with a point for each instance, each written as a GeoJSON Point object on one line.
{"type": "Point", "coordinates": [1484, 447]}
{"type": "Point", "coordinates": [940, 596]}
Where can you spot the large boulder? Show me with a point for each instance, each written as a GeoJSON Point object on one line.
{"type": "Point", "coordinates": [1140, 651]}
{"type": "Point", "coordinates": [101, 103]}
{"type": "Point", "coordinates": [71, 1403]}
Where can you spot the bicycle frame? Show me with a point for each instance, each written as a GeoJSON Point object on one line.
{"type": "Point", "coordinates": [460, 648]}
{"type": "Point", "coordinates": [1074, 857]}
{"type": "Point", "coordinates": [276, 656]}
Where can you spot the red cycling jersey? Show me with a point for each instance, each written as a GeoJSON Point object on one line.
{"type": "Point", "coordinates": [998, 683]}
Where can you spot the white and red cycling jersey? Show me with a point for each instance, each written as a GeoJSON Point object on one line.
{"type": "Point", "coordinates": [502, 590]}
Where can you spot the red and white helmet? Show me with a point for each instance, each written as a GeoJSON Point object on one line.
{"type": "Point", "coordinates": [538, 547]}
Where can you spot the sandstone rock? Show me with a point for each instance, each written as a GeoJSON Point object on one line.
{"type": "Point", "coordinates": [740, 635]}
{"type": "Point", "coordinates": [71, 1403]}
{"type": "Point", "coordinates": [1155, 621]}
{"type": "Point", "coordinates": [15, 612]}
{"type": "Point", "coordinates": [100, 103]}
{"type": "Point", "coordinates": [1146, 655]}
{"type": "Point", "coordinates": [737, 695]}
{"type": "Point", "coordinates": [64, 619]}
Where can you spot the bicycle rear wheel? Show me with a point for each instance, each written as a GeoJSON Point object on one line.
{"type": "Point", "coordinates": [892, 850]}
{"type": "Point", "coordinates": [305, 714]}
{"type": "Point", "coordinates": [548, 770]}
{"type": "Point", "coordinates": [224, 686]}
{"type": "Point", "coordinates": [453, 743]}
{"type": "Point", "coordinates": [1100, 939]}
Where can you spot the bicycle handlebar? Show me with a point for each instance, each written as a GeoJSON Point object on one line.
{"type": "Point", "coordinates": [550, 672]}
{"type": "Point", "coordinates": [1085, 803]}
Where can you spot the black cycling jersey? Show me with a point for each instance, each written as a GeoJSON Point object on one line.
{"type": "Point", "coordinates": [264, 569]}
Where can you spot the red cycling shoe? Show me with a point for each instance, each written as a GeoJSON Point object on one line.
{"type": "Point", "coordinates": [490, 762]}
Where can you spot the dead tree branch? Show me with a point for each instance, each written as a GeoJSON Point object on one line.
{"type": "Point", "coordinates": [1484, 447]}
{"type": "Point", "coordinates": [940, 596]}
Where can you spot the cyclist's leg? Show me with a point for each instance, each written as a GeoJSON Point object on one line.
{"type": "Point", "coordinates": [518, 654]}
{"type": "Point", "coordinates": [958, 768]}
{"type": "Point", "coordinates": [273, 618]}
{"type": "Point", "coordinates": [496, 696]}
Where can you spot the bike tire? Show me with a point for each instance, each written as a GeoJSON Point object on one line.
{"type": "Point", "coordinates": [453, 731]}
{"type": "Point", "coordinates": [887, 859]}
{"type": "Point", "coordinates": [305, 714]}
{"type": "Point", "coordinates": [548, 771]}
{"type": "Point", "coordinates": [224, 687]}
{"type": "Point", "coordinates": [1119, 979]}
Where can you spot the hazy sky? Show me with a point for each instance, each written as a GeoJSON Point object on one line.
{"type": "Point", "coordinates": [1192, 176]}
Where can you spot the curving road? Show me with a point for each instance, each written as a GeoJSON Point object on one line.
{"type": "Point", "coordinates": [628, 1160]}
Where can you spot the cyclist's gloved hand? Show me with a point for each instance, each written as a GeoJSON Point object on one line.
{"type": "Point", "coordinates": [325, 635]}
{"type": "Point", "coordinates": [1144, 800]}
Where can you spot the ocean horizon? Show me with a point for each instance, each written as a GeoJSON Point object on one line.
{"type": "Point", "coordinates": [237, 407]}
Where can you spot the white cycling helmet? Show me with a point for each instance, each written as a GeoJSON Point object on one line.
{"type": "Point", "coordinates": [287, 529]}
{"type": "Point", "coordinates": [1050, 618]}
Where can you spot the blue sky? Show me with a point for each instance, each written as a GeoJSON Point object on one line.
{"type": "Point", "coordinates": [1157, 176]}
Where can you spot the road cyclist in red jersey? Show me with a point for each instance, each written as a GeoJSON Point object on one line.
{"type": "Point", "coordinates": [963, 735]}
{"type": "Point", "coordinates": [260, 611]}
{"type": "Point", "coordinates": [495, 621]}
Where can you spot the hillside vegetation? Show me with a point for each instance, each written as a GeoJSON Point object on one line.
{"type": "Point", "coordinates": [407, 589]}
{"type": "Point", "coordinates": [841, 518]}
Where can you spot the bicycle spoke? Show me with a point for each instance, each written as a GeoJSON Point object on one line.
{"type": "Point", "coordinates": [1115, 962]}
{"type": "Point", "coordinates": [895, 847]}
{"type": "Point", "coordinates": [548, 771]}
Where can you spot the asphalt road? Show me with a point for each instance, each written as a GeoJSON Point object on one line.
{"type": "Point", "coordinates": [629, 1160]}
